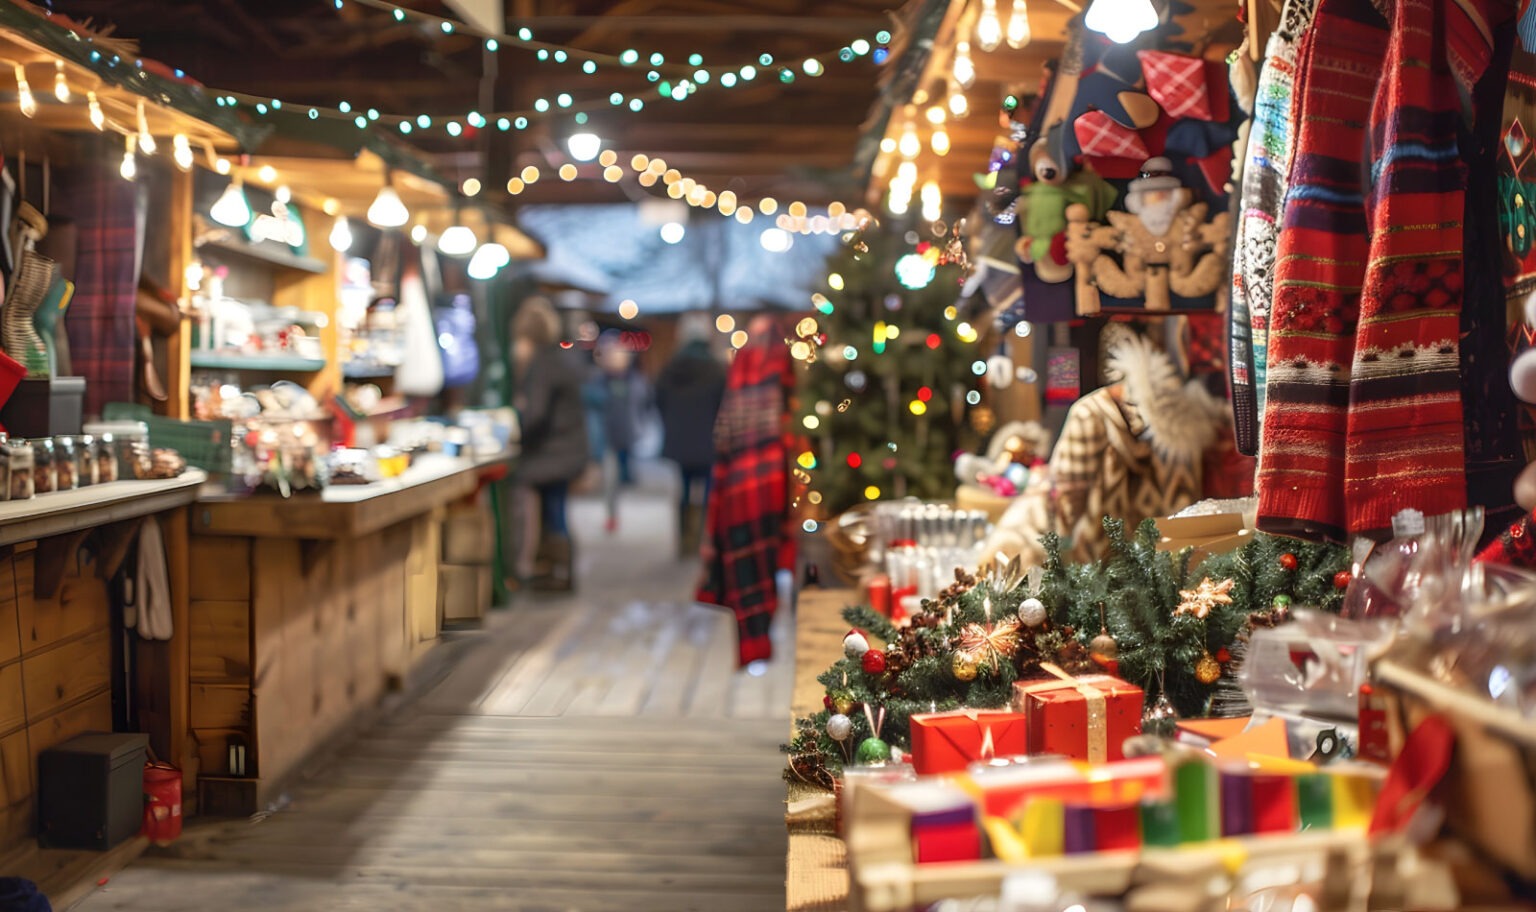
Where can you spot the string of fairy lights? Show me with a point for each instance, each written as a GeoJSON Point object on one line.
{"type": "Point", "coordinates": [675, 80]}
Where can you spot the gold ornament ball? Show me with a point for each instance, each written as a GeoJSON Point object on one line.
{"type": "Point", "coordinates": [843, 705]}
{"type": "Point", "coordinates": [1104, 646]}
{"type": "Point", "coordinates": [1207, 669]}
{"type": "Point", "coordinates": [963, 667]}
{"type": "Point", "coordinates": [983, 419]}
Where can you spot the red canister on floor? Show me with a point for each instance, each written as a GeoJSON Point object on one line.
{"type": "Point", "coordinates": [162, 803]}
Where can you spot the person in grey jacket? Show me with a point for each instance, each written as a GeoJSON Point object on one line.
{"type": "Point", "coordinates": [688, 394]}
{"type": "Point", "coordinates": [554, 444]}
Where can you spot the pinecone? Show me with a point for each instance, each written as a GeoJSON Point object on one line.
{"type": "Point", "coordinates": [964, 582]}
{"type": "Point", "coordinates": [897, 658]}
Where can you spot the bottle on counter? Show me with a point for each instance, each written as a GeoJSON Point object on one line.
{"type": "Point", "coordinates": [66, 464]}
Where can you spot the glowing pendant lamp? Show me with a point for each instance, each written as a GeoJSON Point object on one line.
{"type": "Point", "coordinates": [232, 210]}
{"type": "Point", "coordinates": [387, 209]}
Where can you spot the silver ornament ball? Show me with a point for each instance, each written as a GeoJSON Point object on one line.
{"type": "Point", "coordinates": [1160, 719]}
{"type": "Point", "coordinates": [1032, 612]}
{"type": "Point", "coordinates": [839, 727]}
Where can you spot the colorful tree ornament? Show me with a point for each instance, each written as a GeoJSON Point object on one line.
{"type": "Point", "coordinates": [1288, 561]}
{"type": "Point", "coordinates": [873, 662]}
{"type": "Point", "coordinates": [963, 667]}
{"type": "Point", "coordinates": [855, 644]}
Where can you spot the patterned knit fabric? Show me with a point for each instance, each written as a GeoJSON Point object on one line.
{"type": "Point", "coordinates": [1365, 330]}
{"type": "Point", "coordinates": [1319, 269]}
{"type": "Point", "coordinates": [1268, 160]}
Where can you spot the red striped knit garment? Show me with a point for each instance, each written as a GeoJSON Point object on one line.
{"type": "Point", "coordinates": [1319, 269]}
{"type": "Point", "coordinates": [1403, 441]}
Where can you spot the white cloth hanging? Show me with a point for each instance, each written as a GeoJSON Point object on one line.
{"type": "Point", "coordinates": [152, 585]}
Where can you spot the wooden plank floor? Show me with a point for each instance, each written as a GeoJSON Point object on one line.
{"type": "Point", "coordinates": [592, 752]}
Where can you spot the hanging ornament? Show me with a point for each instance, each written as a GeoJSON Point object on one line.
{"type": "Point", "coordinates": [1032, 612]}
{"type": "Point", "coordinates": [1207, 669]}
{"type": "Point", "coordinates": [1341, 579]}
{"type": "Point", "coordinates": [1104, 646]}
{"type": "Point", "coordinates": [873, 752]}
{"type": "Point", "coordinates": [990, 644]}
{"type": "Point", "coordinates": [855, 644]}
{"type": "Point", "coordinates": [1202, 599]}
{"type": "Point", "coordinates": [1160, 718]}
{"type": "Point", "coordinates": [963, 667]}
{"type": "Point", "coordinates": [839, 727]}
{"type": "Point", "coordinates": [1223, 655]}
{"type": "Point", "coordinates": [873, 662]}
{"type": "Point", "coordinates": [1000, 371]}
{"type": "Point", "coordinates": [1280, 608]}
{"type": "Point", "coordinates": [843, 702]}
{"type": "Point", "coordinates": [1288, 561]}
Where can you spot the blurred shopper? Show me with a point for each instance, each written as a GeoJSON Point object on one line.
{"type": "Point", "coordinates": [622, 396]}
{"type": "Point", "coordinates": [549, 406]}
{"type": "Point", "coordinates": [688, 395]}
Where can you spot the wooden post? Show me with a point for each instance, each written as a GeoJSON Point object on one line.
{"type": "Point", "coordinates": [178, 348]}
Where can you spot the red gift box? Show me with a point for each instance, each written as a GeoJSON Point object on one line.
{"type": "Point", "coordinates": [949, 742]}
{"type": "Point", "coordinates": [1086, 718]}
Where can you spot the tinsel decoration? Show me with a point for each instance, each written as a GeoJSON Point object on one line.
{"type": "Point", "coordinates": [991, 645]}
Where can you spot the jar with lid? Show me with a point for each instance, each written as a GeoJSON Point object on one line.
{"type": "Point", "coordinates": [44, 476]}
{"type": "Point", "coordinates": [18, 463]}
{"type": "Point", "coordinates": [85, 449]}
{"type": "Point", "coordinates": [106, 458]}
{"type": "Point", "coordinates": [66, 464]}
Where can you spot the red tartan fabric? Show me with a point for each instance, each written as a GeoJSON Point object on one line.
{"type": "Point", "coordinates": [100, 317]}
{"type": "Point", "coordinates": [746, 531]}
{"type": "Point", "coordinates": [1101, 137]}
{"type": "Point", "coordinates": [1181, 85]}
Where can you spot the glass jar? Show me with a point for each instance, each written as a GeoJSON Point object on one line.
{"type": "Point", "coordinates": [106, 458]}
{"type": "Point", "coordinates": [85, 449]}
{"type": "Point", "coordinates": [45, 477]}
{"type": "Point", "coordinates": [66, 464]}
{"type": "Point", "coordinates": [18, 463]}
{"type": "Point", "coordinates": [5, 467]}
{"type": "Point", "coordinates": [138, 458]}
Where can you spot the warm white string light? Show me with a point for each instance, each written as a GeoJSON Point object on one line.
{"type": "Point", "coordinates": [181, 151]}
{"type": "Point", "coordinates": [98, 119]}
{"type": "Point", "coordinates": [909, 145]}
{"type": "Point", "coordinates": [129, 169]}
{"type": "Point", "coordinates": [60, 84]}
{"type": "Point", "coordinates": [933, 201]}
{"type": "Point", "coordinates": [146, 139]}
{"type": "Point", "coordinates": [1018, 25]}
{"type": "Point", "coordinates": [964, 67]}
{"type": "Point", "coordinates": [939, 141]}
{"type": "Point", "coordinates": [989, 29]}
{"type": "Point", "coordinates": [958, 106]}
{"type": "Point", "coordinates": [24, 96]}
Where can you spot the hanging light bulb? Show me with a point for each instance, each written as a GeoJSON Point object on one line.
{"type": "Point", "coordinates": [98, 119]}
{"type": "Point", "coordinates": [459, 240]}
{"type": "Point", "coordinates": [418, 234]}
{"type": "Point", "coordinates": [1018, 25]}
{"type": "Point", "coordinates": [584, 146]}
{"type": "Point", "coordinates": [933, 201]}
{"type": "Point", "coordinates": [181, 151]}
{"type": "Point", "coordinates": [232, 210]}
{"type": "Point", "coordinates": [935, 114]}
{"type": "Point", "coordinates": [487, 261]}
{"type": "Point", "coordinates": [24, 92]}
{"type": "Point", "coordinates": [939, 141]}
{"type": "Point", "coordinates": [387, 209]}
{"type": "Point", "coordinates": [282, 194]}
{"type": "Point", "coordinates": [341, 235]}
{"type": "Point", "coordinates": [958, 106]}
{"type": "Point", "coordinates": [965, 68]}
{"type": "Point", "coordinates": [989, 29]}
{"type": "Point", "coordinates": [909, 145]}
{"type": "Point", "coordinates": [129, 169]}
{"type": "Point", "coordinates": [60, 84]}
{"type": "Point", "coordinates": [1121, 20]}
{"type": "Point", "coordinates": [906, 172]}
{"type": "Point", "coordinates": [146, 141]}
{"type": "Point", "coordinates": [901, 197]}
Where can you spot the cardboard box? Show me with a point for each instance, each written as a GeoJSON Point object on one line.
{"type": "Point", "coordinates": [464, 592]}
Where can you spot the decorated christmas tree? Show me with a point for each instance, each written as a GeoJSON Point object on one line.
{"type": "Point", "coordinates": [884, 399]}
{"type": "Point", "coordinates": [1147, 616]}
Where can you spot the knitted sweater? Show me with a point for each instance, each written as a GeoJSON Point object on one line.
{"type": "Point", "coordinates": [1364, 338]}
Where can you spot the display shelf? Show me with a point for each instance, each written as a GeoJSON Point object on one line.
{"type": "Point", "coordinates": [212, 360]}
{"type": "Point", "coordinates": [367, 371]}
{"type": "Point", "coordinates": [272, 256]}
{"type": "Point", "coordinates": [62, 512]}
{"type": "Point", "coordinates": [343, 511]}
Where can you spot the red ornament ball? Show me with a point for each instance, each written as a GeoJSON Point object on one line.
{"type": "Point", "coordinates": [826, 701]}
{"type": "Point", "coordinates": [1223, 655]}
{"type": "Point", "coordinates": [874, 661]}
{"type": "Point", "coordinates": [1341, 579]}
{"type": "Point", "coordinates": [1288, 561]}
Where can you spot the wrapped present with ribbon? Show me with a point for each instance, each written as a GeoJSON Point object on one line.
{"type": "Point", "coordinates": [948, 742]}
{"type": "Point", "coordinates": [1186, 86]}
{"type": "Point", "coordinates": [1086, 718]}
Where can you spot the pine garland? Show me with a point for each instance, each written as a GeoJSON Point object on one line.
{"type": "Point", "coordinates": [1133, 593]}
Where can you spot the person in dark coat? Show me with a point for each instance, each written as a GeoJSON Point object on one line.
{"type": "Point", "coordinates": [622, 397]}
{"type": "Point", "coordinates": [554, 443]}
{"type": "Point", "coordinates": [688, 393]}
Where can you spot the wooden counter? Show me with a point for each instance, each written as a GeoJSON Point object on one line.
{"type": "Point", "coordinates": [305, 612]}
{"type": "Point", "coordinates": [57, 643]}
{"type": "Point", "coordinates": [816, 869]}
